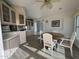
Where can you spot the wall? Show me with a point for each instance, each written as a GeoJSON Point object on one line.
{"type": "Point", "coordinates": [1, 44]}
{"type": "Point", "coordinates": [66, 24]}
{"type": "Point", "coordinates": [1, 41]}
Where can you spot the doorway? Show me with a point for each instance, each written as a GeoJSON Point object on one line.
{"type": "Point", "coordinates": [39, 27]}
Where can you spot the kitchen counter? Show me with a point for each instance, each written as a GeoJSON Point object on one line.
{"type": "Point", "coordinates": [9, 35]}
{"type": "Point", "coordinates": [11, 42]}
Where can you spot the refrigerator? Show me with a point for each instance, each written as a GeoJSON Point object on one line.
{"type": "Point", "coordinates": [76, 29]}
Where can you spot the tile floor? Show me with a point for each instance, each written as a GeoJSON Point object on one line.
{"type": "Point", "coordinates": [34, 50]}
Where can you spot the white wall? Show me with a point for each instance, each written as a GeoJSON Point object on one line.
{"type": "Point", "coordinates": [1, 44]}
{"type": "Point", "coordinates": [66, 24]}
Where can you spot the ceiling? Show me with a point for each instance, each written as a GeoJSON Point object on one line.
{"type": "Point", "coordinates": [34, 10]}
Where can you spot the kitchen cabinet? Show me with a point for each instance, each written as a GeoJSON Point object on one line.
{"type": "Point", "coordinates": [14, 44]}
{"type": "Point", "coordinates": [6, 48]}
{"type": "Point", "coordinates": [17, 40]}
{"type": "Point", "coordinates": [13, 16]}
{"type": "Point", "coordinates": [10, 45]}
{"type": "Point", "coordinates": [21, 19]}
{"type": "Point", "coordinates": [10, 15]}
{"type": "Point", "coordinates": [22, 37]}
{"type": "Point", "coordinates": [6, 13]}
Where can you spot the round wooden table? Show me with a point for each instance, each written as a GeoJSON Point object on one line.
{"type": "Point", "coordinates": [56, 36]}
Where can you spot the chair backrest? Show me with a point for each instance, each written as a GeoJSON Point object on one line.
{"type": "Point", "coordinates": [73, 37]}
{"type": "Point", "coordinates": [47, 39]}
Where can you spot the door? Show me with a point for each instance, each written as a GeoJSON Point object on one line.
{"type": "Point", "coordinates": [77, 26]}
{"type": "Point", "coordinates": [38, 26]}
{"type": "Point", "coordinates": [41, 27]}
{"type": "Point", "coordinates": [77, 31]}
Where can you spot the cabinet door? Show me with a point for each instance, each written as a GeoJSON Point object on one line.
{"type": "Point", "coordinates": [12, 44]}
{"type": "Point", "coordinates": [6, 48]}
{"type": "Point", "coordinates": [6, 13]}
{"type": "Point", "coordinates": [21, 19]}
{"type": "Point", "coordinates": [22, 37]}
{"type": "Point", "coordinates": [17, 40]}
{"type": "Point", "coordinates": [13, 16]}
{"type": "Point", "coordinates": [6, 45]}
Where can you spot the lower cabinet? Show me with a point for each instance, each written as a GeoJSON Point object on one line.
{"type": "Point", "coordinates": [11, 45]}
{"type": "Point", "coordinates": [6, 49]}
{"type": "Point", "coordinates": [22, 37]}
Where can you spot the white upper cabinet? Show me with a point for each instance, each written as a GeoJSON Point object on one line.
{"type": "Point", "coordinates": [13, 16]}
{"type": "Point", "coordinates": [10, 15]}
{"type": "Point", "coordinates": [20, 16]}
{"type": "Point", "coordinates": [5, 13]}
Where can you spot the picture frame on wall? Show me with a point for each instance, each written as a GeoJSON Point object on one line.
{"type": "Point", "coordinates": [55, 23]}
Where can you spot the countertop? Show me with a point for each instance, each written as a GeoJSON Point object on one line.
{"type": "Point", "coordinates": [9, 35]}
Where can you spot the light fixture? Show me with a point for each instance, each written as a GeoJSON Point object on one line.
{"type": "Point", "coordinates": [48, 3]}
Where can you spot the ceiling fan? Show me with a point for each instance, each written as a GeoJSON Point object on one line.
{"type": "Point", "coordinates": [47, 3]}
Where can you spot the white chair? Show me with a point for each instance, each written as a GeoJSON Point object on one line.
{"type": "Point", "coordinates": [48, 41]}
{"type": "Point", "coordinates": [68, 43]}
